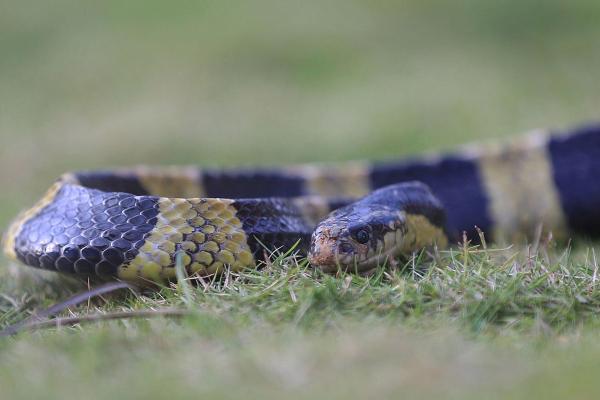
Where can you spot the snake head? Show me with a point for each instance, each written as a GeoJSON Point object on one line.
{"type": "Point", "coordinates": [357, 237]}
{"type": "Point", "coordinates": [391, 221]}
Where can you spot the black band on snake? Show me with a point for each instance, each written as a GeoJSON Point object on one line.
{"type": "Point", "coordinates": [135, 224]}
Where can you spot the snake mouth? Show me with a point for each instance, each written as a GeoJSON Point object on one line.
{"type": "Point", "coordinates": [349, 263]}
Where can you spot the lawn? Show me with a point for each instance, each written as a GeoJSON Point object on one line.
{"type": "Point", "coordinates": [88, 84]}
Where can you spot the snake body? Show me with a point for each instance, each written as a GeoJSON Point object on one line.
{"type": "Point", "coordinates": [135, 224]}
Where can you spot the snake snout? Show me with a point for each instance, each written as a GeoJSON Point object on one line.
{"type": "Point", "coordinates": [323, 249]}
{"type": "Point", "coordinates": [328, 250]}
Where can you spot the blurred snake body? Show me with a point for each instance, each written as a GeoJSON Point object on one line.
{"type": "Point", "coordinates": [139, 223]}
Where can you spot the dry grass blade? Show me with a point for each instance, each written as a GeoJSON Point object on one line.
{"type": "Point", "coordinates": [77, 299]}
{"type": "Point", "coordinates": [69, 321]}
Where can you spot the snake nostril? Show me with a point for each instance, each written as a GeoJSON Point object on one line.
{"type": "Point", "coordinates": [345, 247]}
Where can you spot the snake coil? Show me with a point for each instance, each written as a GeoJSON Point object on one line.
{"type": "Point", "coordinates": [133, 223]}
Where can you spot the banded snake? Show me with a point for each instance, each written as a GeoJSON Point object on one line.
{"type": "Point", "coordinates": [133, 223]}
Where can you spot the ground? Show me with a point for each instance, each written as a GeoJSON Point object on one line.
{"type": "Point", "coordinates": [95, 84]}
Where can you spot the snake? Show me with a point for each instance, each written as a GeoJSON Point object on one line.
{"type": "Point", "coordinates": [143, 223]}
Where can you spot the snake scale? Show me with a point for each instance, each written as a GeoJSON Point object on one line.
{"type": "Point", "coordinates": [134, 224]}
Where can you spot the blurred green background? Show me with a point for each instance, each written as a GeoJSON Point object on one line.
{"type": "Point", "coordinates": [88, 84]}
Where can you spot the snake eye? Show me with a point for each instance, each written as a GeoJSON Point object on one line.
{"type": "Point", "coordinates": [362, 236]}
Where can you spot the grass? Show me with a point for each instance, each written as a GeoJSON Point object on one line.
{"type": "Point", "coordinates": [473, 320]}
{"type": "Point", "coordinates": [89, 85]}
